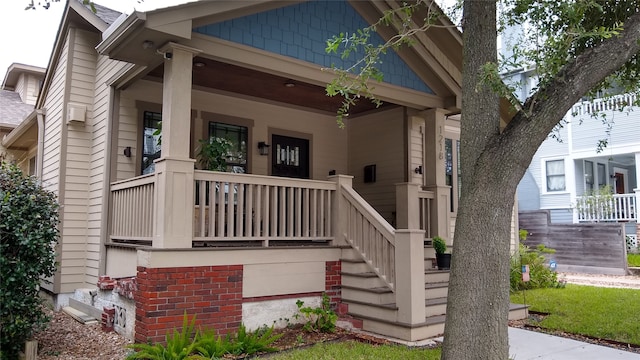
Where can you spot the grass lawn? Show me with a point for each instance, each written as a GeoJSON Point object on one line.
{"type": "Point", "coordinates": [354, 350]}
{"type": "Point", "coordinates": [605, 313]}
{"type": "Point", "coordinates": [633, 260]}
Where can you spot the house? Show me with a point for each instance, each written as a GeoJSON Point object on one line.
{"type": "Point", "coordinates": [18, 95]}
{"type": "Point", "coordinates": [160, 236]}
{"type": "Point", "coordinates": [569, 170]}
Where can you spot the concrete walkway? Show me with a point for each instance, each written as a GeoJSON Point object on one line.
{"type": "Point", "coordinates": [615, 281]}
{"type": "Point", "coordinates": [528, 345]}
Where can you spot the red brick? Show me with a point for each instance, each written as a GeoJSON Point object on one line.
{"type": "Point", "coordinates": [175, 300]}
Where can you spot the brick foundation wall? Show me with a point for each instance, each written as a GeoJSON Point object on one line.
{"type": "Point", "coordinates": [212, 293]}
{"type": "Point", "coordinates": [333, 282]}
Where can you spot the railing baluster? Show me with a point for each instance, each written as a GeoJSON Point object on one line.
{"type": "Point", "coordinates": [231, 202]}
{"type": "Point", "coordinates": [249, 209]}
{"type": "Point", "coordinates": [220, 207]}
{"type": "Point", "coordinates": [298, 212]}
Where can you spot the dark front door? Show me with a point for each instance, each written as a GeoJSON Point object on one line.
{"type": "Point", "coordinates": [290, 157]}
{"type": "Point", "coordinates": [619, 183]}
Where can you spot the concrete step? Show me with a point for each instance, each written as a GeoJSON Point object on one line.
{"type": "Point", "coordinates": [518, 311]}
{"type": "Point", "coordinates": [432, 327]}
{"type": "Point", "coordinates": [348, 253]}
{"type": "Point", "coordinates": [380, 295]}
{"type": "Point", "coordinates": [384, 312]}
{"type": "Point", "coordinates": [437, 306]}
{"type": "Point", "coordinates": [429, 253]}
{"type": "Point", "coordinates": [85, 308]}
{"type": "Point", "coordinates": [79, 316]}
{"type": "Point", "coordinates": [366, 280]}
{"type": "Point", "coordinates": [355, 266]}
{"type": "Point", "coordinates": [432, 275]}
{"type": "Point", "coordinates": [430, 264]}
{"type": "Point", "coordinates": [436, 290]}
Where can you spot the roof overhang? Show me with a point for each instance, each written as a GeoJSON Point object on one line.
{"type": "Point", "coordinates": [15, 70]}
{"type": "Point", "coordinates": [138, 38]}
{"type": "Point", "coordinates": [24, 135]}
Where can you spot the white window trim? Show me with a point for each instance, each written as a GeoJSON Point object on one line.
{"type": "Point", "coordinates": [584, 175]}
{"type": "Point", "coordinates": [543, 171]}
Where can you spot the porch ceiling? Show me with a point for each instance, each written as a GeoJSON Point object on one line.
{"type": "Point", "coordinates": [247, 82]}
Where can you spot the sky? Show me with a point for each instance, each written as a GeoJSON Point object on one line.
{"type": "Point", "coordinates": [27, 36]}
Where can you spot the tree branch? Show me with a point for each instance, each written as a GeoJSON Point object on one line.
{"type": "Point", "coordinates": [552, 101]}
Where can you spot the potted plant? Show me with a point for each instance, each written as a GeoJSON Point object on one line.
{"type": "Point", "coordinates": [440, 246]}
{"type": "Point", "coordinates": [213, 153]}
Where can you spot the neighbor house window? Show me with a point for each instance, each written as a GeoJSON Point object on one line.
{"type": "Point", "coordinates": [588, 176]}
{"type": "Point", "coordinates": [238, 136]}
{"type": "Point", "coordinates": [453, 175]}
{"type": "Point", "coordinates": [555, 175]}
{"type": "Point", "coordinates": [150, 141]}
{"type": "Point", "coordinates": [602, 175]}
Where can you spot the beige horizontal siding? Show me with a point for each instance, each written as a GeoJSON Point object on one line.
{"type": "Point", "coordinates": [53, 105]}
{"type": "Point", "coordinates": [416, 150]}
{"type": "Point", "coordinates": [328, 144]}
{"type": "Point", "coordinates": [378, 139]}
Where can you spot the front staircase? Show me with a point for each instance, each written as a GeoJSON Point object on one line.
{"type": "Point", "coordinates": [371, 300]}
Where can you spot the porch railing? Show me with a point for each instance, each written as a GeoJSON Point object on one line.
{"type": "Point", "coordinates": [132, 209]}
{"type": "Point", "coordinates": [240, 207]}
{"type": "Point", "coordinates": [370, 235]}
{"type": "Point", "coordinates": [613, 103]}
{"type": "Point", "coordinates": [618, 207]}
{"type": "Point", "coordinates": [424, 211]}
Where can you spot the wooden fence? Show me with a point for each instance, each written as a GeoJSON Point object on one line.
{"type": "Point", "coordinates": [591, 248]}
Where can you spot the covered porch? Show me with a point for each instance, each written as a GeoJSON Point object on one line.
{"type": "Point", "coordinates": [371, 224]}
{"type": "Point", "coordinates": [303, 206]}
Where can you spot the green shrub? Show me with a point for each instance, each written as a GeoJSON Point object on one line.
{"type": "Point", "coordinates": [541, 276]}
{"type": "Point", "coordinates": [28, 234]}
{"type": "Point", "coordinates": [633, 260]}
{"type": "Point", "coordinates": [439, 245]}
{"type": "Point", "coordinates": [321, 319]}
{"type": "Point", "coordinates": [205, 344]}
{"type": "Point", "coordinates": [180, 345]}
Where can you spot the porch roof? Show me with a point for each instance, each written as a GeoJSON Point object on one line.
{"type": "Point", "coordinates": [436, 57]}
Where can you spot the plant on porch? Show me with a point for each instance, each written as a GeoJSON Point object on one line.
{"type": "Point", "coordinates": [440, 247]}
{"type": "Point", "coordinates": [213, 153]}
{"type": "Point", "coordinates": [595, 205]}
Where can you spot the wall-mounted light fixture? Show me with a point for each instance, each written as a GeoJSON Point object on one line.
{"type": "Point", "coordinates": [263, 148]}
{"type": "Point", "coordinates": [418, 170]}
{"type": "Point", "coordinates": [147, 44]}
{"type": "Point", "coordinates": [127, 151]}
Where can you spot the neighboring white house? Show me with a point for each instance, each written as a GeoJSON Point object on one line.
{"type": "Point", "coordinates": [569, 164]}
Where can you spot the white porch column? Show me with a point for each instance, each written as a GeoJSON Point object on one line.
{"type": "Point", "coordinates": [637, 191]}
{"type": "Point", "coordinates": [174, 194]}
{"type": "Point", "coordinates": [410, 296]}
{"type": "Point", "coordinates": [434, 159]}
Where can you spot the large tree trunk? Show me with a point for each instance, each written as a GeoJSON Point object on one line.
{"type": "Point", "coordinates": [492, 164]}
{"type": "Point", "coordinates": [478, 300]}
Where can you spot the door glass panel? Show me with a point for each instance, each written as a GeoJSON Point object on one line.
{"type": "Point", "coordinates": [290, 157]}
